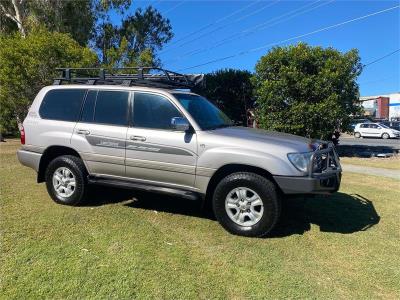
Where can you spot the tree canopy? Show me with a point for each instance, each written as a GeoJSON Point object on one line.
{"type": "Point", "coordinates": [135, 41]}
{"type": "Point", "coordinates": [231, 91]}
{"type": "Point", "coordinates": [28, 64]}
{"type": "Point", "coordinates": [131, 43]}
{"type": "Point", "coordinates": [307, 90]}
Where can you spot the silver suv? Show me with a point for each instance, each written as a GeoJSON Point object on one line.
{"type": "Point", "coordinates": [138, 131]}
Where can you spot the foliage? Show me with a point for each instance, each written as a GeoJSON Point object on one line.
{"type": "Point", "coordinates": [74, 17]}
{"type": "Point", "coordinates": [28, 64]}
{"type": "Point", "coordinates": [231, 91]}
{"type": "Point", "coordinates": [307, 90]}
{"type": "Point", "coordinates": [142, 33]}
{"type": "Point", "coordinates": [132, 43]}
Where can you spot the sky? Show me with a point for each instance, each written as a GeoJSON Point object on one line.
{"type": "Point", "coordinates": [212, 35]}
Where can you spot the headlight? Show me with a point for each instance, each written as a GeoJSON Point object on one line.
{"type": "Point", "coordinates": [300, 160]}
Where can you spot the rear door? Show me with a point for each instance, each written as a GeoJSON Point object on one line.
{"type": "Point", "coordinates": [154, 151]}
{"type": "Point", "coordinates": [100, 134]}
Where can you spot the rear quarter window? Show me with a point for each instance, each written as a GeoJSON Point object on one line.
{"type": "Point", "coordinates": [62, 105]}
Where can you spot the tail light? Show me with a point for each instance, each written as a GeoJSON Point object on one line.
{"type": "Point", "coordinates": [22, 135]}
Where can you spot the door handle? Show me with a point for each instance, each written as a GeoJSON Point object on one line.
{"type": "Point", "coordinates": [137, 138]}
{"type": "Point", "coordinates": [83, 131]}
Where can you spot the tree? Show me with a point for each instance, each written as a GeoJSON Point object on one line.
{"type": "Point", "coordinates": [305, 90]}
{"type": "Point", "coordinates": [74, 17]}
{"type": "Point", "coordinates": [231, 91]}
{"type": "Point", "coordinates": [12, 12]}
{"type": "Point", "coordinates": [28, 64]}
{"type": "Point", "coordinates": [135, 41]}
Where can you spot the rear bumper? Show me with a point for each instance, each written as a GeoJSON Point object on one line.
{"type": "Point", "coordinates": [323, 184]}
{"type": "Point", "coordinates": [29, 159]}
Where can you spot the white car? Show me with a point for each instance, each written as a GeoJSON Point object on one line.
{"type": "Point", "coordinates": [375, 130]}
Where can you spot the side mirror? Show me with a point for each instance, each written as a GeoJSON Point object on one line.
{"type": "Point", "coordinates": [180, 124]}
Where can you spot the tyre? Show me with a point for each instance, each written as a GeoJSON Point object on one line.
{"type": "Point", "coordinates": [385, 136]}
{"type": "Point", "coordinates": [66, 180]}
{"type": "Point", "coordinates": [246, 204]}
{"type": "Point", "coordinates": [357, 135]}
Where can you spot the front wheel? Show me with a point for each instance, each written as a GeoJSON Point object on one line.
{"type": "Point", "coordinates": [246, 204]}
{"type": "Point", "coordinates": [66, 180]}
{"type": "Point", "coordinates": [385, 136]}
{"type": "Point", "coordinates": [357, 135]}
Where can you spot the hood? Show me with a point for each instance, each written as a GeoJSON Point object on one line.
{"type": "Point", "coordinates": [252, 136]}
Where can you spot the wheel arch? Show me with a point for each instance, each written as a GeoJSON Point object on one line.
{"type": "Point", "coordinates": [51, 153]}
{"type": "Point", "coordinates": [228, 169]}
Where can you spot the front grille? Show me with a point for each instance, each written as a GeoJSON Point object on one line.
{"type": "Point", "coordinates": [324, 159]}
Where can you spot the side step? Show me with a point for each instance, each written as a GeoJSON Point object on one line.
{"type": "Point", "coordinates": [144, 187]}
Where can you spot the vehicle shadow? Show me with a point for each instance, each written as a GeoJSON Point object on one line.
{"type": "Point", "coordinates": [102, 195]}
{"type": "Point", "coordinates": [364, 150]}
{"type": "Point", "coordinates": [339, 213]}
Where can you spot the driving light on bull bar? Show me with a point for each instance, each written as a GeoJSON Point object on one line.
{"type": "Point", "coordinates": [300, 160]}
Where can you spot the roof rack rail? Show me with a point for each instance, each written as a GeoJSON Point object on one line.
{"type": "Point", "coordinates": [141, 76]}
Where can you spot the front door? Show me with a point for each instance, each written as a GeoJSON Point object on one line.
{"type": "Point", "coordinates": [100, 134]}
{"type": "Point", "coordinates": [155, 152]}
{"type": "Point", "coordinates": [375, 130]}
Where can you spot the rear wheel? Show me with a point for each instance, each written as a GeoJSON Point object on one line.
{"type": "Point", "coordinates": [357, 135]}
{"type": "Point", "coordinates": [66, 180]}
{"type": "Point", "coordinates": [385, 136]}
{"type": "Point", "coordinates": [246, 204]}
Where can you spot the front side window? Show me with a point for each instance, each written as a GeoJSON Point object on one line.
{"type": "Point", "coordinates": [111, 108]}
{"type": "Point", "coordinates": [62, 104]}
{"type": "Point", "coordinates": [206, 115]}
{"type": "Point", "coordinates": [153, 111]}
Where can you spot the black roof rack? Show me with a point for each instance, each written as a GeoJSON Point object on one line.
{"type": "Point", "coordinates": [144, 76]}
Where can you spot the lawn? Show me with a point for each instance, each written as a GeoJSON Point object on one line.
{"type": "Point", "coordinates": [132, 245]}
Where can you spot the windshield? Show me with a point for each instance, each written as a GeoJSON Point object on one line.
{"type": "Point", "coordinates": [384, 126]}
{"type": "Point", "coordinates": [206, 115]}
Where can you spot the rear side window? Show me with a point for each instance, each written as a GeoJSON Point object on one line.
{"type": "Point", "coordinates": [112, 108]}
{"type": "Point", "coordinates": [62, 105]}
{"type": "Point", "coordinates": [153, 111]}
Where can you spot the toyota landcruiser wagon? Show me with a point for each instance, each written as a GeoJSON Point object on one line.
{"type": "Point", "coordinates": [146, 131]}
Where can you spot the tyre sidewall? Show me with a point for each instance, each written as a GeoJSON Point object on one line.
{"type": "Point", "coordinates": [264, 188]}
{"type": "Point", "coordinates": [74, 165]}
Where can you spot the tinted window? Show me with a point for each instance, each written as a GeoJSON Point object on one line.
{"type": "Point", "coordinates": [364, 125]}
{"type": "Point", "coordinates": [111, 108]}
{"type": "Point", "coordinates": [373, 126]}
{"type": "Point", "coordinates": [62, 105]}
{"type": "Point", "coordinates": [88, 107]}
{"type": "Point", "coordinates": [153, 111]}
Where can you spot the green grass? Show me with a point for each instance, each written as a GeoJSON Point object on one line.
{"type": "Point", "coordinates": [377, 162]}
{"type": "Point", "coordinates": [343, 246]}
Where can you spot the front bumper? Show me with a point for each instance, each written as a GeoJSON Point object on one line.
{"type": "Point", "coordinates": [29, 159]}
{"type": "Point", "coordinates": [325, 174]}
{"type": "Point", "coordinates": [394, 135]}
{"type": "Point", "coordinates": [309, 185]}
